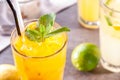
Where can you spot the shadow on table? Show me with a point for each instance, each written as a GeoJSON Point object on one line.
{"type": "Point", "coordinates": [100, 70]}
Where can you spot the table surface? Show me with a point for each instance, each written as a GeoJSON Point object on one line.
{"type": "Point", "coordinates": [77, 35]}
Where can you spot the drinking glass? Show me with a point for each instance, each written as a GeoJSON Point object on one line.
{"type": "Point", "coordinates": [50, 67]}
{"type": "Point", "coordinates": [88, 13]}
{"type": "Point", "coordinates": [110, 34]}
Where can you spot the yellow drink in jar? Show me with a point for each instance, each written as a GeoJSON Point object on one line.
{"type": "Point", "coordinates": [88, 11]}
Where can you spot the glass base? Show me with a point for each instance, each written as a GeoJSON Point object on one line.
{"type": "Point", "coordinates": [110, 67]}
{"type": "Point", "coordinates": [88, 24]}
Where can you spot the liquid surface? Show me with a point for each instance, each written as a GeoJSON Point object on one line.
{"type": "Point", "coordinates": [39, 49]}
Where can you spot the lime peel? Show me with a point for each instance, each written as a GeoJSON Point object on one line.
{"type": "Point", "coordinates": [85, 57]}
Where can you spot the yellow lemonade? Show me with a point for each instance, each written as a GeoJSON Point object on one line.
{"type": "Point", "coordinates": [40, 60]}
{"type": "Point", "coordinates": [88, 11]}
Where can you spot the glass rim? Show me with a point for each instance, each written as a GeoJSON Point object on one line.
{"type": "Point", "coordinates": [102, 2]}
{"type": "Point", "coordinates": [42, 57]}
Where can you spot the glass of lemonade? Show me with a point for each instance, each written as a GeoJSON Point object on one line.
{"type": "Point", "coordinates": [110, 34]}
{"type": "Point", "coordinates": [88, 13]}
{"type": "Point", "coordinates": [39, 60]}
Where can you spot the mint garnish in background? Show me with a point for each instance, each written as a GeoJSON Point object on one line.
{"type": "Point", "coordinates": [108, 21]}
{"type": "Point", "coordinates": [108, 2]}
{"type": "Point", "coordinates": [44, 28]}
{"type": "Point", "coordinates": [110, 13]}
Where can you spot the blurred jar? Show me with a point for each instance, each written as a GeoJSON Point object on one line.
{"type": "Point", "coordinates": [88, 13]}
{"type": "Point", "coordinates": [30, 9]}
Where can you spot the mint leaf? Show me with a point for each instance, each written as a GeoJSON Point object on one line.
{"type": "Point", "coordinates": [48, 28]}
{"type": "Point", "coordinates": [33, 35]}
{"type": "Point", "coordinates": [108, 2]}
{"type": "Point", "coordinates": [57, 31]}
{"type": "Point", "coordinates": [47, 20]}
{"type": "Point", "coordinates": [111, 13]}
{"type": "Point", "coordinates": [108, 21]}
{"type": "Point", "coordinates": [43, 29]}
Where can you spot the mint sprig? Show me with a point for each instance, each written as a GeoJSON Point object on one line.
{"type": "Point", "coordinates": [109, 22]}
{"type": "Point", "coordinates": [108, 2]}
{"type": "Point", "coordinates": [44, 28]}
{"type": "Point", "coordinates": [63, 29]}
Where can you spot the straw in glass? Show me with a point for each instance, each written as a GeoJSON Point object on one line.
{"type": "Point", "coordinates": [17, 16]}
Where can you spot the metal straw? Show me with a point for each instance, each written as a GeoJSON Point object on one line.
{"type": "Point", "coordinates": [17, 16]}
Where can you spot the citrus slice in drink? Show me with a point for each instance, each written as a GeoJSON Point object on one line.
{"type": "Point", "coordinates": [116, 27]}
{"type": "Point", "coordinates": [85, 57]}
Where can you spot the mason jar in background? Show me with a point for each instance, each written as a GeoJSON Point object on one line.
{"type": "Point", "coordinates": [110, 34]}
{"type": "Point", "coordinates": [88, 13]}
{"type": "Point", "coordinates": [30, 9]}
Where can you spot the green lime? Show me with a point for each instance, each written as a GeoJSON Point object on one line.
{"type": "Point", "coordinates": [85, 57]}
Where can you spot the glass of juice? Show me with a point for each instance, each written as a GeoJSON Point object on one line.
{"type": "Point", "coordinates": [88, 13]}
{"type": "Point", "coordinates": [110, 34]}
{"type": "Point", "coordinates": [44, 60]}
